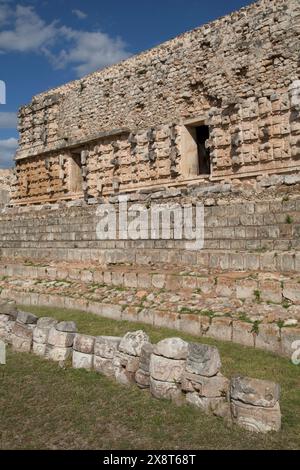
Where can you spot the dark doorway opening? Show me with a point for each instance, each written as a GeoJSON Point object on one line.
{"type": "Point", "coordinates": [202, 135]}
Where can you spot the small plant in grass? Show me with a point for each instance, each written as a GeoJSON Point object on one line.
{"type": "Point", "coordinates": [257, 295]}
{"type": "Point", "coordinates": [289, 219]}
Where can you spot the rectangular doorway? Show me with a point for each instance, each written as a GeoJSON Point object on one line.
{"type": "Point", "coordinates": [194, 151]}
{"type": "Point", "coordinates": [75, 175]}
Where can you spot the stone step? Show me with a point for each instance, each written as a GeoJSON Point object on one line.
{"type": "Point", "coordinates": [276, 336]}
{"type": "Point", "coordinates": [255, 260]}
{"type": "Point", "coordinates": [219, 300]}
{"type": "Point", "coordinates": [271, 287]}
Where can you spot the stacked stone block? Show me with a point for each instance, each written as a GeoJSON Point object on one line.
{"type": "Point", "coordinates": [83, 351]}
{"type": "Point", "coordinates": [127, 358]}
{"type": "Point", "coordinates": [41, 333]}
{"type": "Point", "coordinates": [204, 385]}
{"type": "Point", "coordinates": [255, 404]}
{"type": "Point", "coordinates": [167, 366]}
{"type": "Point", "coordinates": [60, 341]}
{"type": "Point", "coordinates": [173, 369]}
{"type": "Point", "coordinates": [105, 350]}
{"type": "Point", "coordinates": [22, 331]}
{"type": "Point", "coordinates": [142, 376]}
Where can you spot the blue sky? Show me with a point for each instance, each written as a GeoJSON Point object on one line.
{"type": "Point", "coordinates": [47, 43]}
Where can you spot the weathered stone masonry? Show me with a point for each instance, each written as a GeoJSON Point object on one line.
{"type": "Point", "coordinates": [133, 125]}
{"type": "Point", "coordinates": [140, 128]}
{"type": "Point", "coordinates": [172, 369]}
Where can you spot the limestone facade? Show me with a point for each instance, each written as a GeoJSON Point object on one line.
{"type": "Point", "coordinates": [136, 124]}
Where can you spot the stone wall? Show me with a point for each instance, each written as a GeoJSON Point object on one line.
{"type": "Point", "coordinates": [239, 75]}
{"type": "Point", "coordinates": [254, 230]}
{"type": "Point", "coordinates": [171, 369]}
{"type": "Point", "coordinates": [5, 186]}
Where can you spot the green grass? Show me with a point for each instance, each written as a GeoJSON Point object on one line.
{"type": "Point", "coordinates": [44, 406]}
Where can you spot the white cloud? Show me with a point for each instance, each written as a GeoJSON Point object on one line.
{"type": "Point", "coordinates": [80, 14]}
{"type": "Point", "coordinates": [8, 120]}
{"type": "Point", "coordinates": [28, 33]}
{"type": "Point", "coordinates": [7, 151]}
{"type": "Point", "coordinates": [90, 51]}
{"type": "Point", "coordinates": [84, 51]}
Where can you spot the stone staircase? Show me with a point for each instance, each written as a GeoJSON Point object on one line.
{"type": "Point", "coordinates": [255, 309]}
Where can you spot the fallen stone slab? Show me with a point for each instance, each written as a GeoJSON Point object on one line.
{"type": "Point", "coordinates": [203, 360]}
{"type": "Point", "coordinates": [255, 392]}
{"type": "Point", "coordinates": [172, 348]}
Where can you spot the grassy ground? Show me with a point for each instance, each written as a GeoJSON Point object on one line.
{"type": "Point", "coordinates": [44, 406]}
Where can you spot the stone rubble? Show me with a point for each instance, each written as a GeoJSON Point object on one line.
{"type": "Point", "coordinates": [172, 369]}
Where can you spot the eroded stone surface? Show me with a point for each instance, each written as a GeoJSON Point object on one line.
{"type": "Point", "coordinates": [256, 418]}
{"type": "Point", "coordinates": [84, 343]}
{"type": "Point", "coordinates": [166, 370]}
{"type": "Point", "coordinates": [203, 360]}
{"type": "Point", "coordinates": [106, 346]}
{"type": "Point", "coordinates": [60, 339]}
{"type": "Point", "coordinates": [167, 390]}
{"type": "Point", "coordinates": [173, 348]}
{"type": "Point", "coordinates": [67, 326]}
{"type": "Point", "coordinates": [26, 317]}
{"type": "Point", "coordinates": [133, 342]}
{"type": "Point", "coordinates": [255, 392]}
{"type": "Point", "coordinates": [81, 360]}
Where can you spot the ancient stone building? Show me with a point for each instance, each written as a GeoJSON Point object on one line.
{"type": "Point", "coordinates": [213, 104]}
{"type": "Point", "coordinates": [211, 117]}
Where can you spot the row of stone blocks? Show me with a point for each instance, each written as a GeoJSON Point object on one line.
{"type": "Point", "coordinates": [172, 369]}
{"type": "Point", "coordinates": [219, 258]}
{"type": "Point", "coordinates": [218, 284]}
